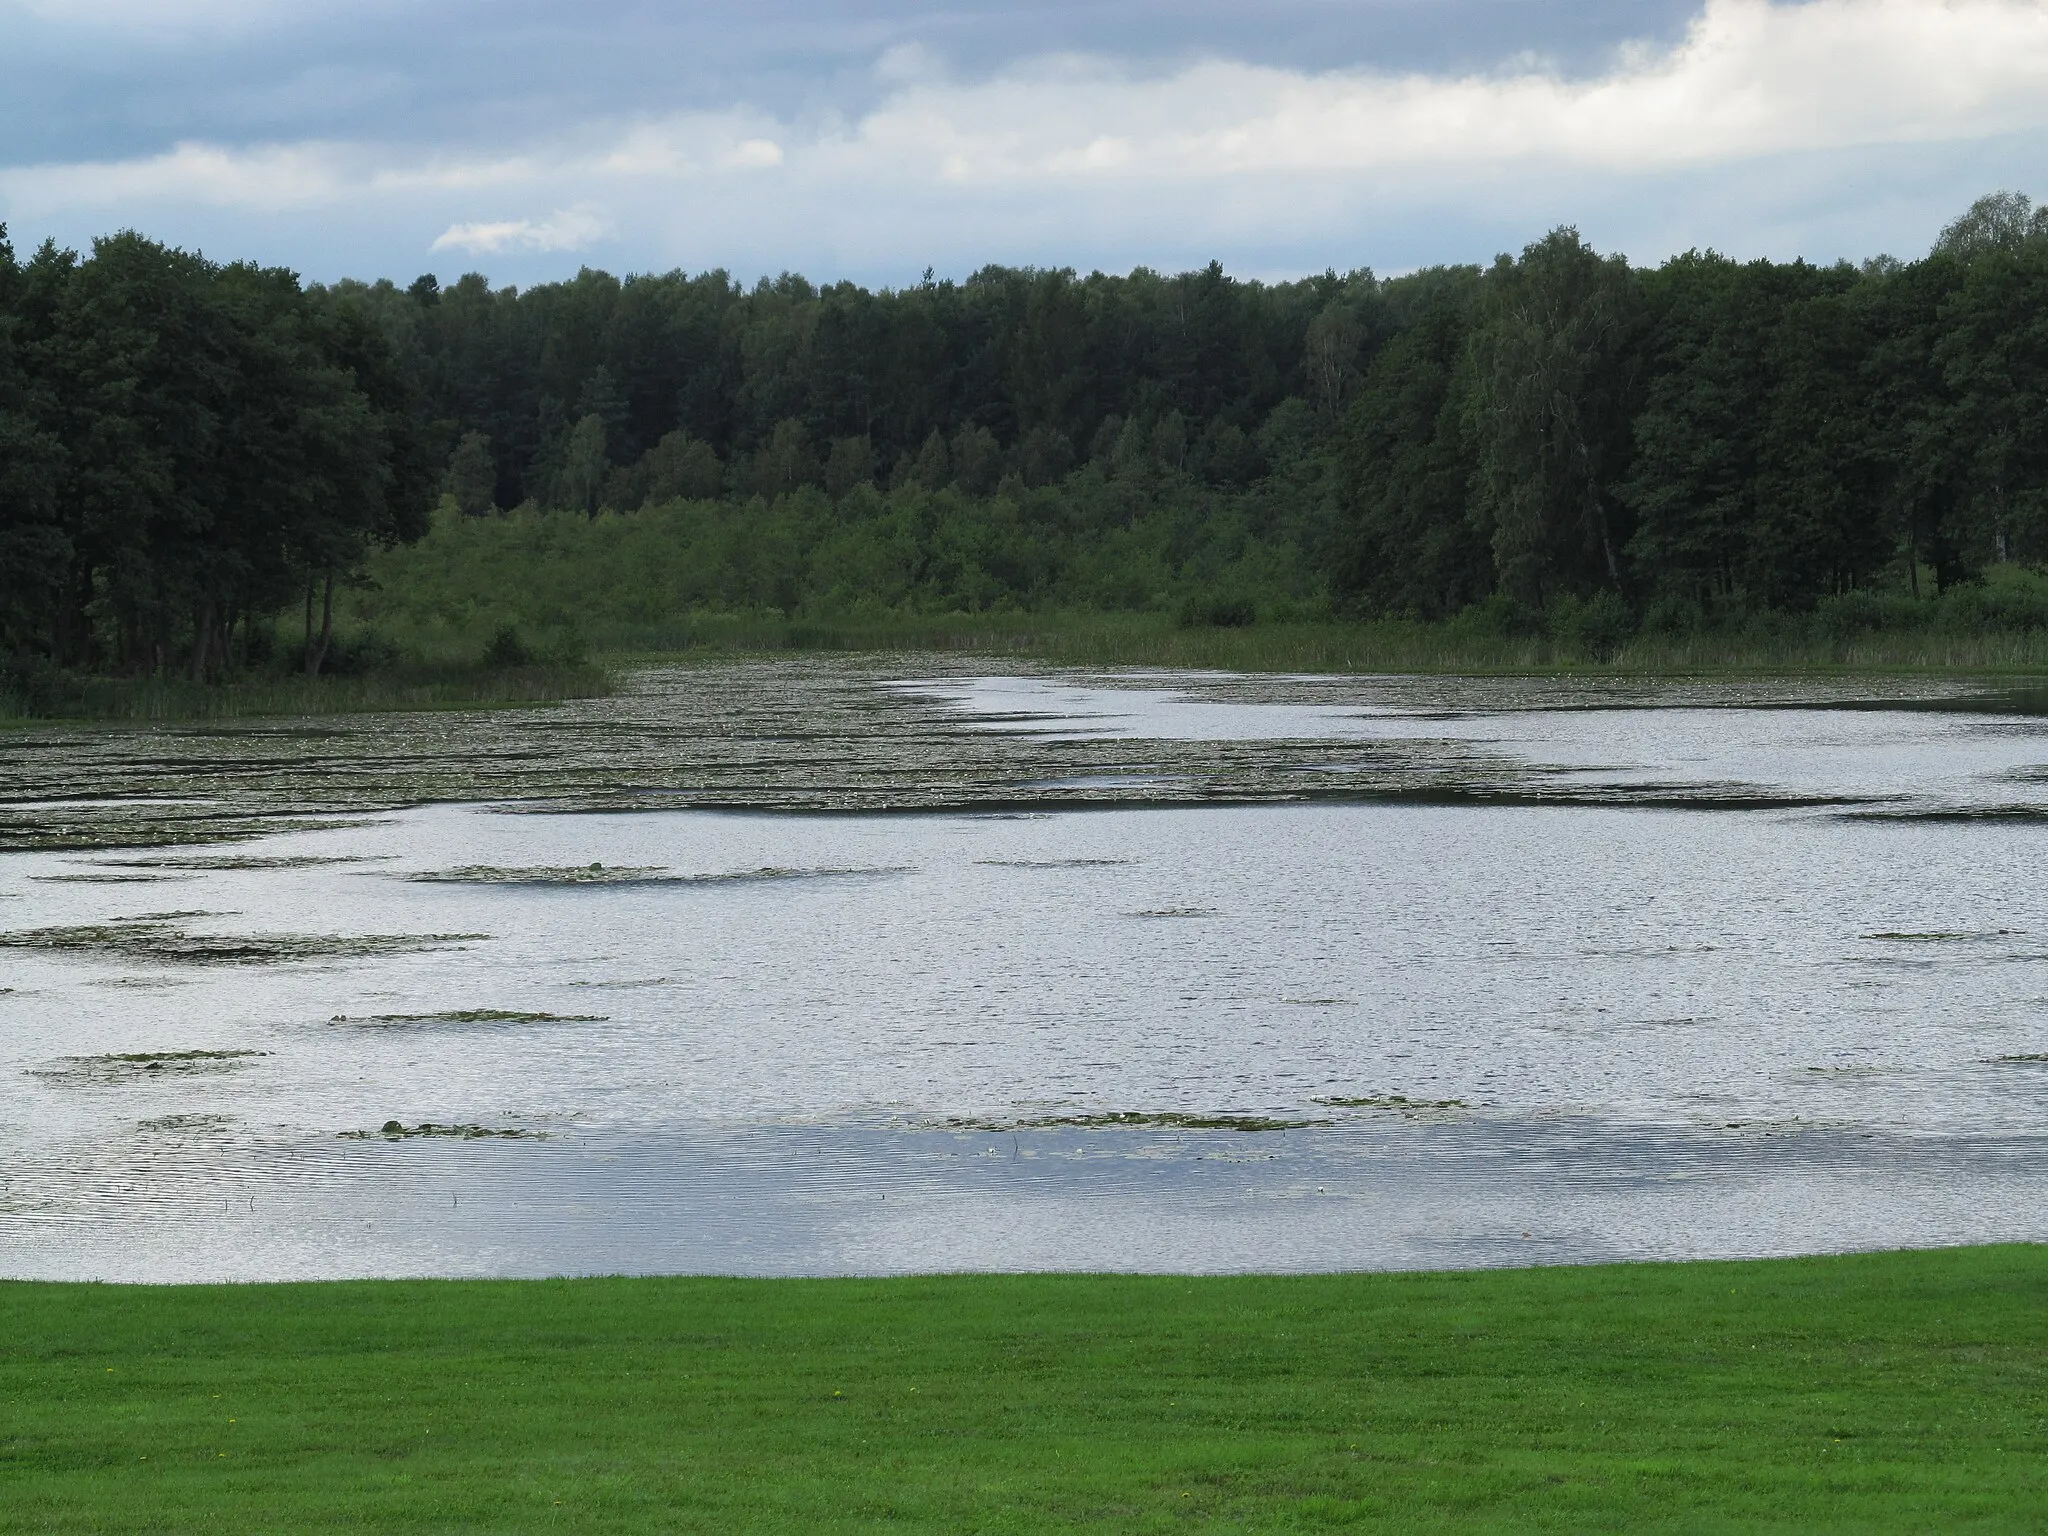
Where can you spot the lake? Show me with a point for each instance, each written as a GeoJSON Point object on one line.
{"type": "Point", "coordinates": [896, 965]}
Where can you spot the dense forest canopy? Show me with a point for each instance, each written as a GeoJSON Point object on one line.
{"type": "Point", "coordinates": [187, 447]}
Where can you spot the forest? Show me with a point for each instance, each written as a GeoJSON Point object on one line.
{"type": "Point", "coordinates": [196, 458]}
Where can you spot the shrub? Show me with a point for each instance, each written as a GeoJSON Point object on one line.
{"type": "Point", "coordinates": [507, 649]}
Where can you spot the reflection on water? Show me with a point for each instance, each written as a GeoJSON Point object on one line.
{"type": "Point", "coordinates": [1308, 1035]}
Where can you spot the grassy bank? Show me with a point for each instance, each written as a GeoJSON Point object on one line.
{"type": "Point", "coordinates": [1158, 640]}
{"type": "Point", "coordinates": [1896, 1391]}
{"type": "Point", "coordinates": [403, 687]}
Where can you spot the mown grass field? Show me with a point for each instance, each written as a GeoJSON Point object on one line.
{"type": "Point", "coordinates": [1878, 1392]}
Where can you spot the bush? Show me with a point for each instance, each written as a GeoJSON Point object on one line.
{"type": "Point", "coordinates": [360, 654]}
{"type": "Point", "coordinates": [1593, 626]}
{"type": "Point", "coordinates": [1497, 616]}
{"type": "Point", "coordinates": [507, 650]}
{"type": "Point", "coordinates": [30, 686]}
{"type": "Point", "coordinates": [1218, 613]}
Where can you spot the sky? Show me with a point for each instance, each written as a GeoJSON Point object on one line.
{"type": "Point", "coordinates": [873, 139]}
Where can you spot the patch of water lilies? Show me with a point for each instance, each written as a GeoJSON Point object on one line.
{"type": "Point", "coordinates": [1054, 863]}
{"type": "Point", "coordinates": [468, 1016]}
{"type": "Point", "coordinates": [111, 877]}
{"type": "Point", "coordinates": [808, 734]}
{"type": "Point", "coordinates": [394, 1130]}
{"type": "Point", "coordinates": [143, 1066]}
{"type": "Point", "coordinates": [1940, 937]}
{"type": "Point", "coordinates": [153, 938]}
{"type": "Point", "coordinates": [545, 874]}
{"type": "Point", "coordinates": [172, 1123]}
{"type": "Point", "coordinates": [624, 874]}
{"type": "Point", "coordinates": [239, 861]}
{"type": "Point", "coordinates": [1399, 1103]}
{"type": "Point", "coordinates": [1133, 1119]}
{"type": "Point", "coordinates": [797, 734]}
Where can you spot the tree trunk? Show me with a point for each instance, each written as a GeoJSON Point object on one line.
{"type": "Point", "coordinates": [202, 640]}
{"type": "Point", "coordinates": [1599, 509]}
{"type": "Point", "coordinates": [317, 654]}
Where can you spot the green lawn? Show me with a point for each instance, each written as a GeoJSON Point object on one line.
{"type": "Point", "coordinates": [1902, 1391]}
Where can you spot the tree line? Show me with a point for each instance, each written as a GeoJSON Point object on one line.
{"type": "Point", "coordinates": [186, 445]}
{"type": "Point", "coordinates": [1707, 438]}
{"type": "Point", "coordinates": [187, 448]}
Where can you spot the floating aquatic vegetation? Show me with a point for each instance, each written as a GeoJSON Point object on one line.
{"type": "Point", "coordinates": [1943, 938]}
{"type": "Point", "coordinates": [243, 861]}
{"type": "Point", "coordinates": [185, 1123]}
{"type": "Point", "coordinates": [546, 874]}
{"type": "Point", "coordinates": [110, 877]}
{"type": "Point", "coordinates": [812, 734]}
{"type": "Point", "coordinates": [628, 875]}
{"type": "Point", "coordinates": [1941, 813]}
{"type": "Point", "coordinates": [776, 872]}
{"type": "Point", "coordinates": [1176, 912]}
{"type": "Point", "coordinates": [624, 986]}
{"type": "Point", "coordinates": [1793, 1125]}
{"type": "Point", "coordinates": [1398, 1102]}
{"type": "Point", "coordinates": [2021, 1059]}
{"type": "Point", "coordinates": [160, 939]}
{"type": "Point", "coordinates": [393, 1130]}
{"type": "Point", "coordinates": [140, 983]}
{"type": "Point", "coordinates": [1314, 1002]}
{"type": "Point", "coordinates": [1054, 863]}
{"type": "Point", "coordinates": [1170, 1120]}
{"type": "Point", "coordinates": [470, 1016]}
{"type": "Point", "coordinates": [143, 1066]}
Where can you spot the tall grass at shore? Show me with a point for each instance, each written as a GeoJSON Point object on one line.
{"type": "Point", "coordinates": [407, 686]}
{"type": "Point", "coordinates": [1159, 640]}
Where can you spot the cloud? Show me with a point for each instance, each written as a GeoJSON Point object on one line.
{"type": "Point", "coordinates": [1083, 150]}
{"type": "Point", "coordinates": [269, 176]}
{"type": "Point", "coordinates": [755, 154]}
{"type": "Point", "coordinates": [569, 229]}
{"type": "Point", "coordinates": [1750, 78]}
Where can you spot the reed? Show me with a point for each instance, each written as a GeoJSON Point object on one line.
{"type": "Point", "coordinates": [68, 697]}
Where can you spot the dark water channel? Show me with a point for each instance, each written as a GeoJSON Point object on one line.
{"type": "Point", "coordinates": [881, 968]}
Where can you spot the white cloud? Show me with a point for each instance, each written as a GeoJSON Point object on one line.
{"type": "Point", "coordinates": [568, 229]}
{"type": "Point", "coordinates": [1215, 152]}
{"type": "Point", "coordinates": [268, 176]}
{"type": "Point", "coordinates": [755, 155]}
{"type": "Point", "coordinates": [1751, 78]}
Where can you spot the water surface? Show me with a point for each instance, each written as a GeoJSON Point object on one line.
{"type": "Point", "coordinates": [1054, 971]}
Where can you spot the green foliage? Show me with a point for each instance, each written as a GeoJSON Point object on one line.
{"type": "Point", "coordinates": [1873, 1392]}
{"type": "Point", "coordinates": [472, 479]}
{"type": "Point", "coordinates": [1556, 448]}
{"type": "Point", "coordinates": [507, 649]}
{"type": "Point", "coordinates": [1148, 539]}
{"type": "Point", "coordinates": [183, 448]}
